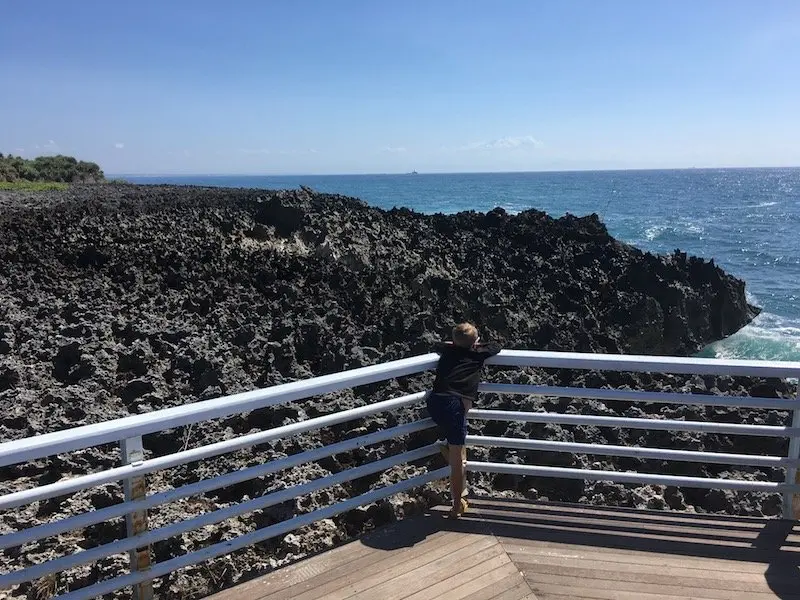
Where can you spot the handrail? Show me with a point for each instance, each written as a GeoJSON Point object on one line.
{"type": "Point", "coordinates": [76, 438]}
{"type": "Point", "coordinates": [115, 511]}
{"type": "Point", "coordinates": [643, 364]}
{"type": "Point", "coordinates": [639, 396]}
{"type": "Point", "coordinates": [129, 432]}
{"type": "Point", "coordinates": [634, 423]}
{"type": "Point", "coordinates": [630, 477]}
{"type": "Point", "coordinates": [720, 458]}
{"type": "Point", "coordinates": [209, 518]}
{"type": "Point", "coordinates": [67, 486]}
{"type": "Point", "coordinates": [248, 539]}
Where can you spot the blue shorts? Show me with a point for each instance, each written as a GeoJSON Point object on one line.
{"type": "Point", "coordinates": [447, 411]}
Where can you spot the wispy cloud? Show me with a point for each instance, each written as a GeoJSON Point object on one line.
{"type": "Point", "coordinates": [395, 149]}
{"type": "Point", "coordinates": [504, 143]}
{"type": "Point", "coordinates": [50, 146]}
{"type": "Point", "coordinates": [255, 151]}
{"type": "Point", "coordinates": [283, 152]}
{"type": "Point", "coordinates": [119, 145]}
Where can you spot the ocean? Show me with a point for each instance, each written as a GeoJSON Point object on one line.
{"type": "Point", "coordinates": [747, 220]}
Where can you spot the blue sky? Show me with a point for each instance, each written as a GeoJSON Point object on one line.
{"type": "Point", "coordinates": [305, 86]}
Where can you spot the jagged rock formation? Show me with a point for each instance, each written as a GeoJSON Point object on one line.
{"type": "Point", "coordinates": [127, 299]}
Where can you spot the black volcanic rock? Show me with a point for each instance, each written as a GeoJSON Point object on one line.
{"type": "Point", "coordinates": [126, 299]}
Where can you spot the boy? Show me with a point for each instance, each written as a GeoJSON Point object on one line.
{"type": "Point", "coordinates": [454, 391]}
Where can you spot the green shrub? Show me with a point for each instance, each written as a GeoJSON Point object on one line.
{"type": "Point", "coordinates": [62, 169]}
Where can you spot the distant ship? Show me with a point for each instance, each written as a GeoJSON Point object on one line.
{"type": "Point", "coordinates": [413, 173]}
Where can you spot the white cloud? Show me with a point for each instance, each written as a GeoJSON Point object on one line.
{"type": "Point", "coordinates": [395, 149]}
{"type": "Point", "coordinates": [51, 146]}
{"type": "Point", "coordinates": [284, 152]}
{"type": "Point", "coordinates": [504, 143]}
{"type": "Point", "coordinates": [119, 145]}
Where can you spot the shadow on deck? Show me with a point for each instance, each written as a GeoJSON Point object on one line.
{"type": "Point", "coordinates": [513, 550]}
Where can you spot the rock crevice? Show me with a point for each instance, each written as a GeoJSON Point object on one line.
{"type": "Point", "coordinates": [118, 300]}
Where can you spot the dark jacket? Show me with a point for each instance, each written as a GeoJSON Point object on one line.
{"type": "Point", "coordinates": [459, 369]}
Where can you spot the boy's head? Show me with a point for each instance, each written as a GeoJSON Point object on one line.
{"type": "Point", "coordinates": [465, 335]}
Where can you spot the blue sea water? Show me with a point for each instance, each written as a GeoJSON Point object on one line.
{"type": "Point", "coordinates": [747, 220]}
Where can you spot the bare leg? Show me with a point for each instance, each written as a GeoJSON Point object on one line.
{"type": "Point", "coordinates": [457, 476]}
{"type": "Point", "coordinates": [444, 449]}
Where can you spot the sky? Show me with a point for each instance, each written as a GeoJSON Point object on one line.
{"type": "Point", "coordinates": [316, 87]}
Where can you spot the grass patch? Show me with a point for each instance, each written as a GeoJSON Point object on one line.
{"type": "Point", "coordinates": [33, 186]}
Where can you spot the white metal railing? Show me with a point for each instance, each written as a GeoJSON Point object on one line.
{"type": "Point", "coordinates": [129, 431]}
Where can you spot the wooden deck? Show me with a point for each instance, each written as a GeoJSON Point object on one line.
{"type": "Point", "coordinates": [515, 550]}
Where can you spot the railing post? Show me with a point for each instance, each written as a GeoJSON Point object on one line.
{"type": "Point", "coordinates": [791, 501]}
{"type": "Point", "coordinates": [136, 489]}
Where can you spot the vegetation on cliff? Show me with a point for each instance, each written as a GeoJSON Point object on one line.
{"type": "Point", "coordinates": [49, 169]}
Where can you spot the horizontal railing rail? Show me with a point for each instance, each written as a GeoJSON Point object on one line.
{"type": "Point", "coordinates": [664, 454]}
{"type": "Point", "coordinates": [206, 485]}
{"type": "Point", "coordinates": [624, 395]}
{"type": "Point", "coordinates": [40, 446]}
{"type": "Point", "coordinates": [625, 477]}
{"type": "Point", "coordinates": [128, 432]}
{"type": "Point", "coordinates": [646, 364]}
{"type": "Point", "coordinates": [66, 486]}
{"type": "Point", "coordinates": [634, 423]}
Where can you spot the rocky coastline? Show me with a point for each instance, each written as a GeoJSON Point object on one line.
{"type": "Point", "coordinates": [123, 299]}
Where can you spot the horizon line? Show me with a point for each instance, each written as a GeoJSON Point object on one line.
{"type": "Point", "coordinates": [364, 174]}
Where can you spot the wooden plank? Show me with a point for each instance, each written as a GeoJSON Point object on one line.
{"type": "Point", "coordinates": [415, 575]}
{"type": "Point", "coordinates": [278, 587]}
{"type": "Point", "coordinates": [752, 559]}
{"type": "Point", "coordinates": [675, 590]}
{"type": "Point", "coordinates": [316, 564]}
{"type": "Point", "coordinates": [486, 585]}
{"type": "Point", "coordinates": [664, 567]}
{"type": "Point", "coordinates": [473, 569]}
{"type": "Point", "coordinates": [653, 575]}
{"type": "Point", "coordinates": [549, 591]}
{"type": "Point", "coordinates": [563, 597]}
{"type": "Point", "coordinates": [521, 549]}
{"type": "Point", "coordinates": [349, 581]}
{"type": "Point", "coordinates": [399, 532]}
{"type": "Point", "coordinates": [563, 552]}
{"type": "Point", "coordinates": [621, 513]}
{"type": "Point", "coordinates": [521, 591]}
{"type": "Point", "coordinates": [645, 540]}
{"type": "Point", "coordinates": [444, 577]}
{"type": "Point", "coordinates": [762, 532]}
{"type": "Point", "coordinates": [583, 523]}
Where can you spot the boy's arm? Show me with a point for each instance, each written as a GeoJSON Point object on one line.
{"type": "Point", "coordinates": [488, 349]}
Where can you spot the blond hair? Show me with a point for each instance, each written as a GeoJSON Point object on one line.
{"type": "Point", "coordinates": [465, 335]}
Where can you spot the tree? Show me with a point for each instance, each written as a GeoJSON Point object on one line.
{"type": "Point", "coordinates": [49, 169]}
